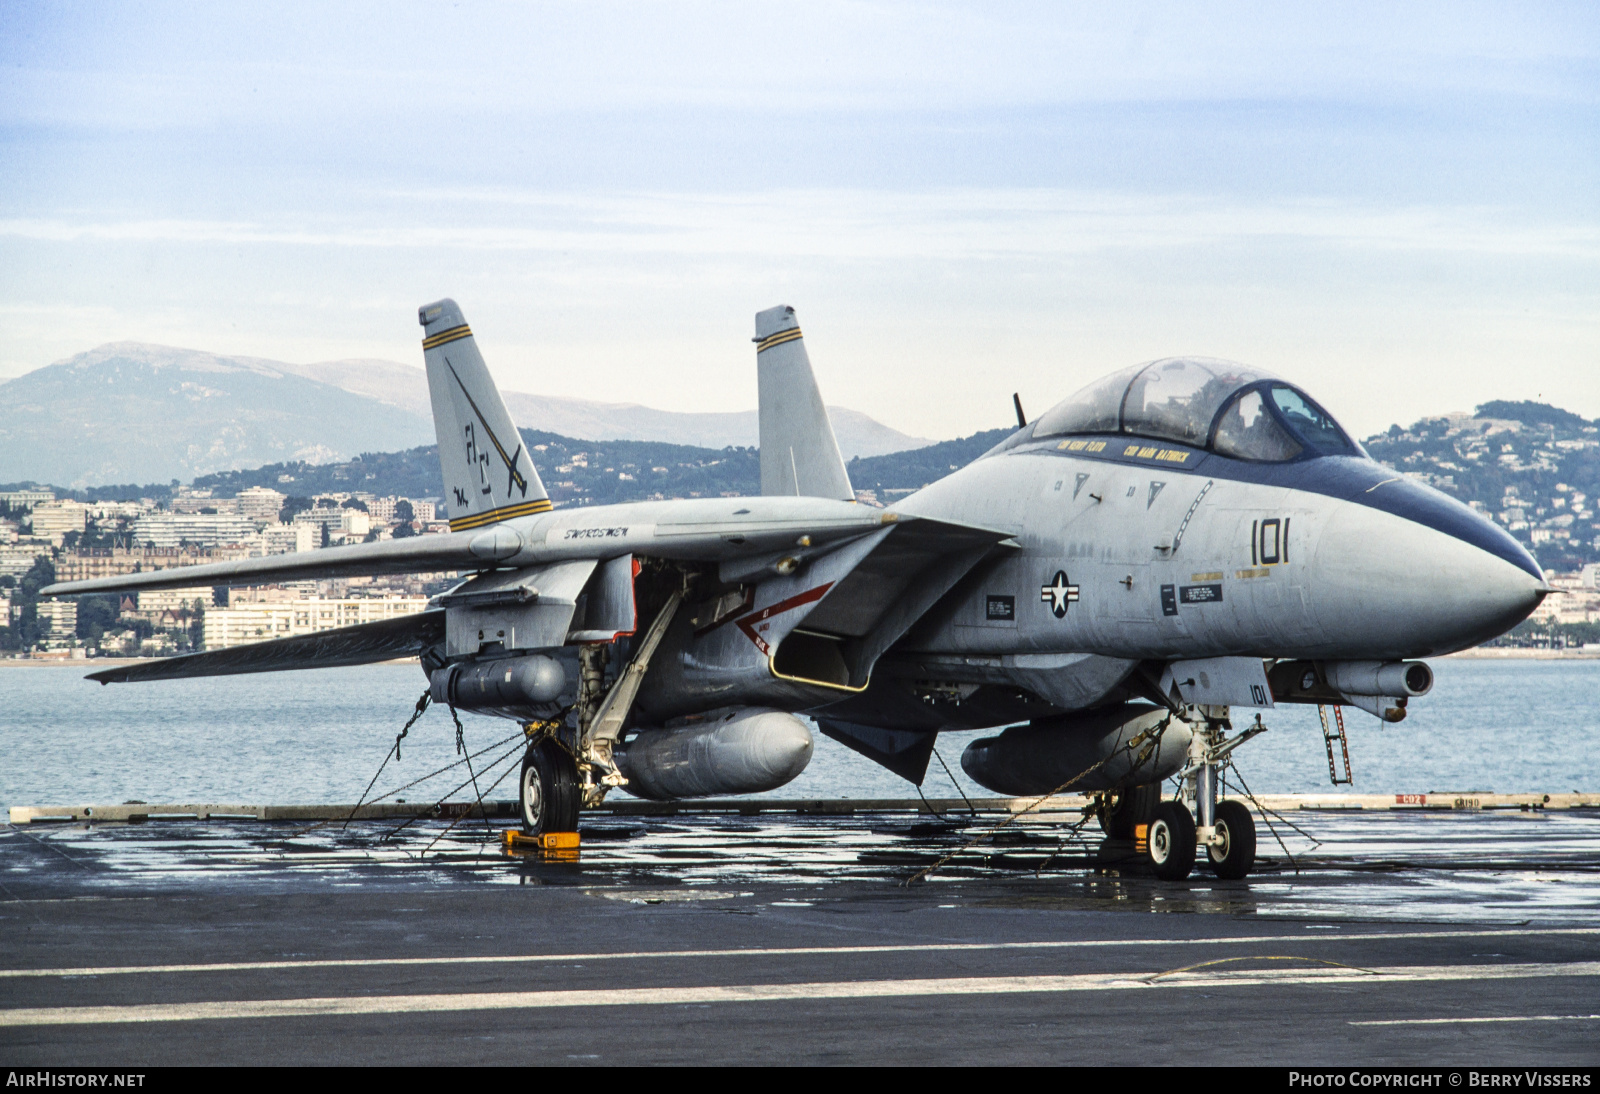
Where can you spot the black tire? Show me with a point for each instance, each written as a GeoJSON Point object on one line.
{"type": "Point", "coordinates": [549, 794]}
{"type": "Point", "coordinates": [1171, 845]}
{"type": "Point", "coordinates": [1124, 810]}
{"type": "Point", "coordinates": [1236, 857]}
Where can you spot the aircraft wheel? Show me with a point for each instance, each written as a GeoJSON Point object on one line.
{"type": "Point", "coordinates": [1125, 810]}
{"type": "Point", "coordinates": [1171, 841]}
{"type": "Point", "coordinates": [550, 794]}
{"type": "Point", "coordinates": [1236, 855]}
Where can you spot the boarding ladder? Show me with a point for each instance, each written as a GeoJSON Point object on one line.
{"type": "Point", "coordinates": [1336, 734]}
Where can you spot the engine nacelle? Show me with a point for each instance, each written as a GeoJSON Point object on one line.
{"type": "Point", "coordinates": [1038, 757]}
{"type": "Point", "coordinates": [741, 751]}
{"type": "Point", "coordinates": [508, 682]}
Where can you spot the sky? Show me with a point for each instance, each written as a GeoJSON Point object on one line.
{"type": "Point", "coordinates": [1396, 206]}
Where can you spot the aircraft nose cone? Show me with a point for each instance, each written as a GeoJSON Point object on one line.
{"type": "Point", "coordinates": [1389, 586]}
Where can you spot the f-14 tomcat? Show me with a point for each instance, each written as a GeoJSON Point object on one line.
{"type": "Point", "coordinates": [1179, 539]}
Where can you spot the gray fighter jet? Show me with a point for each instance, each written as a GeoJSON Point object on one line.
{"type": "Point", "coordinates": [1179, 539]}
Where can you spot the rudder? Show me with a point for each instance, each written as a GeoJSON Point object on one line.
{"type": "Point", "coordinates": [488, 474]}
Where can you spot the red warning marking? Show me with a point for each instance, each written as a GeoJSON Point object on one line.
{"type": "Point", "coordinates": [748, 623]}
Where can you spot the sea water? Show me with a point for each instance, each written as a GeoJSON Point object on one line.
{"type": "Point", "coordinates": [320, 736]}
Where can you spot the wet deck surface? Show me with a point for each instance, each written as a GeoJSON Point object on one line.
{"type": "Point", "coordinates": [1389, 938]}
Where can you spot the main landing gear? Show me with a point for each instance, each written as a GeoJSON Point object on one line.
{"type": "Point", "coordinates": [550, 789]}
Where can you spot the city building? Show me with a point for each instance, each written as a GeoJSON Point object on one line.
{"type": "Point", "coordinates": [89, 563]}
{"type": "Point", "coordinates": [322, 517]}
{"type": "Point", "coordinates": [1572, 601]}
{"type": "Point", "coordinates": [186, 499]}
{"type": "Point", "coordinates": [284, 539]}
{"type": "Point", "coordinates": [21, 499]}
{"type": "Point", "coordinates": [246, 621]}
{"type": "Point", "coordinates": [174, 600]}
{"type": "Point", "coordinates": [173, 529]}
{"type": "Point", "coordinates": [58, 618]}
{"type": "Point", "coordinates": [18, 558]}
{"type": "Point", "coordinates": [54, 519]}
{"type": "Point", "coordinates": [260, 503]}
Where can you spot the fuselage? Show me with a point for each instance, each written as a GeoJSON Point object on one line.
{"type": "Point", "coordinates": [1188, 508]}
{"type": "Point", "coordinates": [1151, 550]}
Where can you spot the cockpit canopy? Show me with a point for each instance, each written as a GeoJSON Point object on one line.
{"type": "Point", "coordinates": [1236, 411]}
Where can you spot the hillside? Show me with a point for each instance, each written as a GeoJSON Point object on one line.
{"type": "Point", "coordinates": [578, 472]}
{"type": "Point", "coordinates": [1535, 468]}
{"type": "Point", "coordinates": [127, 412]}
{"type": "Point", "coordinates": [130, 412]}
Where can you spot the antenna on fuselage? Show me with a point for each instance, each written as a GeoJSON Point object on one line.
{"type": "Point", "coordinates": [1016, 401]}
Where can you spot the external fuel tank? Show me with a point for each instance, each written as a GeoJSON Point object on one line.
{"type": "Point", "coordinates": [745, 750]}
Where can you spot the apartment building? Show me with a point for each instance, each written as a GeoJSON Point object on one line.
{"type": "Point", "coordinates": [247, 621]}
{"type": "Point", "coordinates": [58, 618]}
{"type": "Point", "coordinates": [260, 503]}
{"type": "Point", "coordinates": [172, 529]}
{"type": "Point", "coordinates": [54, 519]}
{"type": "Point", "coordinates": [92, 562]}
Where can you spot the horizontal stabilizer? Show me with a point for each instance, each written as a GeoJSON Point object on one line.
{"type": "Point", "coordinates": [416, 555]}
{"type": "Point", "coordinates": [904, 751]}
{"type": "Point", "coordinates": [362, 644]}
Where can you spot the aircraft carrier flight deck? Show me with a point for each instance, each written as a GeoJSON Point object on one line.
{"type": "Point", "coordinates": [1365, 938]}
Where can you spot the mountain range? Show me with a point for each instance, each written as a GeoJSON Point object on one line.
{"type": "Point", "coordinates": [132, 412]}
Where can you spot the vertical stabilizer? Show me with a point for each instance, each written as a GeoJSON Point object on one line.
{"type": "Point", "coordinates": [488, 473]}
{"type": "Point", "coordinates": [799, 454]}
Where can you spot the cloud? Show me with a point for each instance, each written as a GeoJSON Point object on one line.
{"type": "Point", "coordinates": [846, 224]}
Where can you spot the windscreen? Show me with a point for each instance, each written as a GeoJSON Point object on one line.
{"type": "Point", "coordinates": [1310, 422]}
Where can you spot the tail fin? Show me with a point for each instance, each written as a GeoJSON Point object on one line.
{"type": "Point", "coordinates": [799, 454]}
{"type": "Point", "coordinates": [488, 473]}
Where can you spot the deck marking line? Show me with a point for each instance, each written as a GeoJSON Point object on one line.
{"type": "Point", "coordinates": [786, 951]}
{"type": "Point", "coordinates": [767, 993]}
{"type": "Point", "coordinates": [1479, 1021]}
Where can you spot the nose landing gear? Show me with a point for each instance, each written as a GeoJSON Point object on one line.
{"type": "Point", "coordinates": [1225, 829]}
